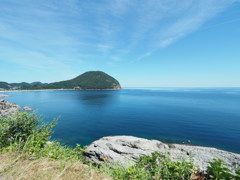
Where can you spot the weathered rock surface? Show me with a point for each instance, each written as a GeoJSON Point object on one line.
{"type": "Point", "coordinates": [26, 108]}
{"type": "Point", "coordinates": [7, 108]}
{"type": "Point", "coordinates": [3, 95]}
{"type": "Point", "coordinates": [127, 149]}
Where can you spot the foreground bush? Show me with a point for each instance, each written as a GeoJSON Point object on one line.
{"type": "Point", "coordinates": [218, 170]}
{"type": "Point", "coordinates": [26, 133]}
{"type": "Point", "coordinates": [156, 166]}
{"type": "Point", "coordinates": [21, 128]}
{"type": "Point", "coordinates": [160, 167]}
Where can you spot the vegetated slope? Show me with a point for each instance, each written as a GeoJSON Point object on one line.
{"type": "Point", "coordinates": [87, 80]}
{"type": "Point", "coordinates": [8, 86]}
{"type": "Point", "coordinates": [4, 85]}
{"type": "Point", "coordinates": [92, 80]}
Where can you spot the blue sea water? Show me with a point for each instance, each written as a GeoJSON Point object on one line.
{"type": "Point", "coordinates": [202, 116]}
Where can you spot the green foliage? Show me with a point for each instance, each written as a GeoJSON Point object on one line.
{"type": "Point", "coordinates": [159, 166]}
{"type": "Point", "coordinates": [54, 151]}
{"type": "Point", "coordinates": [238, 174]}
{"type": "Point", "coordinates": [21, 128]}
{"type": "Point", "coordinates": [26, 133]}
{"type": "Point", "coordinates": [218, 170]}
{"type": "Point", "coordinates": [156, 166]}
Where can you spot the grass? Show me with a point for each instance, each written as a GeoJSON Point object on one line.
{"type": "Point", "coordinates": [17, 167]}
{"type": "Point", "coordinates": [25, 153]}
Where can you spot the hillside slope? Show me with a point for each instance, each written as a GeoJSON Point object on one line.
{"type": "Point", "coordinates": [93, 80]}
{"type": "Point", "coordinates": [87, 80]}
{"type": "Point", "coordinates": [14, 86]}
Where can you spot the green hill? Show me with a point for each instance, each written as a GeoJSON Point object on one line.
{"type": "Point", "coordinates": [22, 85]}
{"type": "Point", "coordinates": [92, 80]}
{"type": "Point", "coordinates": [4, 85]}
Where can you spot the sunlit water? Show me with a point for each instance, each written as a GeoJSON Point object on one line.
{"type": "Point", "coordinates": [208, 117]}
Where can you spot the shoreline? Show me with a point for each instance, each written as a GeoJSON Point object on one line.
{"type": "Point", "coordinates": [2, 91]}
{"type": "Point", "coordinates": [4, 95]}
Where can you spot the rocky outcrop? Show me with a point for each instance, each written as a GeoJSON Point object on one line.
{"type": "Point", "coordinates": [127, 149]}
{"type": "Point", "coordinates": [26, 108]}
{"type": "Point", "coordinates": [7, 108]}
{"type": "Point", "coordinates": [3, 95]}
{"type": "Point", "coordinates": [116, 86]}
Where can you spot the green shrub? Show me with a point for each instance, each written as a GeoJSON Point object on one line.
{"type": "Point", "coordinates": [161, 166]}
{"type": "Point", "coordinates": [238, 174]}
{"type": "Point", "coordinates": [117, 171]}
{"type": "Point", "coordinates": [156, 166]}
{"type": "Point", "coordinates": [218, 170]}
{"type": "Point", "coordinates": [21, 128]}
{"type": "Point", "coordinates": [25, 132]}
{"type": "Point", "coordinates": [54, 150]}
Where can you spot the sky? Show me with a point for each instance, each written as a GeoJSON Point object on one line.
{"type": "Point", "coordinates": [142, 43]}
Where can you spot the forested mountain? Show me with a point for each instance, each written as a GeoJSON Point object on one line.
{"type": "Point", "coordinates": [89, 80]}
{"type": "Point", "coordinates": [14, 86]}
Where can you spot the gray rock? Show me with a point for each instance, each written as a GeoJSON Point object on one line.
{"type": "Point", "coordinates": [126, 150]}
{"type": "Point", "coordinates": [3, 95]}
{"type": "Point", "coordinates": [26, 108]}
{"type": "Point", "coordinates": [7, 108]}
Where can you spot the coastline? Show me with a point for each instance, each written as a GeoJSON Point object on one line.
{"type": "Point", "coordinates": [2, 91]}
{"type": "Point", "coordinates": [4, 95]}
{"type": "Point", "coordinates": [118, 148]}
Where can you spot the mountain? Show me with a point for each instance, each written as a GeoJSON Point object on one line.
{"type": "Point", "coordinates": [18, 85]}
{"type": "Point", "coordinates": [8, 86]}
{"type": "Point", "coordinates": [37, 83]}
{"type": "Point", "coordinates": [91, 80]}
{"type": "Point", "coordinates": [14, 86]}
{"type": "Point", "coordinates": [88, 80]}
{"type": "Point", "coordinates": [4, 85]}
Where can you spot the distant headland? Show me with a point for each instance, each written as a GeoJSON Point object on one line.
{"type": "Point", "coordinates": [91, 80]}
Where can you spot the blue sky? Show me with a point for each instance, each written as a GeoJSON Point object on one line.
{"type": "Point", "coordinates": [142, 43]}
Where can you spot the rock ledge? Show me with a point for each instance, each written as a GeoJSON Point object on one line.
{"type": "Point", "coordinates": [7, 108]}
{"type": "Point", "coordinates": [127, 149]}
{"type": "Point", "coordinates": [4, 95]}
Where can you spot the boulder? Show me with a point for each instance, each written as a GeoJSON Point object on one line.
{"type": "Point", "coordinates": [126, 150]}
{"type": "Point", "coordinates": [26, 108]}
{"type": "Point", "coordinates": [7, 108]}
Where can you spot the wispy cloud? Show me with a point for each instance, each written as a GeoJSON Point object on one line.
{"type": "Point", "coordinates": [60, 29]}
{"type": "Point", "coordinates": [179, 19]}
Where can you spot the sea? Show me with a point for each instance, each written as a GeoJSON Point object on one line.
{"type": "Point", "coordinates": [197, 116]}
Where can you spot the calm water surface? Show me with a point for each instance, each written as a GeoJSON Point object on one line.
{"type": "Point", "coordinates": [208, 117]}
